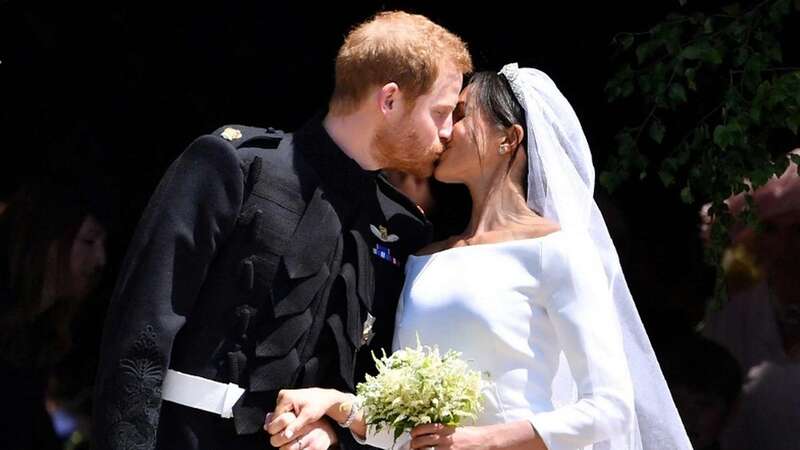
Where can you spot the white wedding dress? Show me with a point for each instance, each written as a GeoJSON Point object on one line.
{"type": "Point", "coordinates": [516, 310]}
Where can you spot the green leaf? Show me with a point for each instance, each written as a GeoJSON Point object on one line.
{"type": "Point", "coordinates": [686, 195]}
{"type": "Point", "coordinates": [691, 75]}
{"type": "Point", "coordinates": [697, 18]}
{"type": "Point", "coordinates": [759, 176]}
{"type": "Point", "coordinates": [626, 143]}
{"type": "Point", "coordinates": [742, 54]}
{"type": "Point", "coordinates": [780, 166]}
{"type": "Point", "coordinates": [626, 40]}
{"type": "Point", "coordinates": [702, 51]}
{"type": "Point", "coordinates": [670, 164]}
{"type": "Point", "coordinates": [657, 131]}
{"type": "Point", "coordinates": [672, 40]}
{"type": "Point", "coordinates": [752, 72]}
{"type": "Point", "coordinates": [627, 89]}
{"type": "Point", "coordinates": [775, 54]}
{"type": "Point", "coordinates": [721, 136]}
{"type": "Point", "coordinates": [646, 84]}
{"type": "Point", "coordinates": [779, 10]}
{"type": "Point", "coordinates": [683, 156]}
{"type": "Point", "coordinates": [677, 93]}
{"type": "Point", "coordinates": [646, 49]}
{"type": "Point", "coordinates": [738, 32]}
{"type": "Point", "coordinates": [755, 115]}
{"type": "Point", "coordinates": [666, 177]}
{"type": "Point", "coordinates": [714, 56]}
{"type": "Point", "coordinates": [762, 93]}
{"type": "Point", "coordinates": [708, 26]}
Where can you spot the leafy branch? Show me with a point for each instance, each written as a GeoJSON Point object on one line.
{"type": "Point", "coordinates": [714, 96]}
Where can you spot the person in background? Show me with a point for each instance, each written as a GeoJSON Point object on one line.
{"type": "Point", "coordinates": [760, 323]}
{"type": "Point", "coordinates": [52, 256]}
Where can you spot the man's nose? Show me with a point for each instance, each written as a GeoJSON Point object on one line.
{"type": "Point", "coordinates": [446, 131]}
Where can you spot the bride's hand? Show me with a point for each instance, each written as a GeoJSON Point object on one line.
{"type": "Point", "coordinates": [318, 435]}
{"type": "Point", "coordinates": [308, 405]}
{"type": "Point", "coordinates": [444, 437]}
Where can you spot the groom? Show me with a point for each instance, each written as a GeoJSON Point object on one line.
{"type": "Point", "coordinates": [267, 260]}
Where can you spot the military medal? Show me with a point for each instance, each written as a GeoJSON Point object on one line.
{"type": "Point", "coordinates": [383, 234]}
{"type": "Point", "coordinates": [383, 252]}
{"type": "Point", "coordinates": [380, 250]}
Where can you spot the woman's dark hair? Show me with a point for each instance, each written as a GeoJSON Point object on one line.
{"type": "Point", "coordinates": [43, 215]}
{"type": "Point", "coordinates": [492, 95]}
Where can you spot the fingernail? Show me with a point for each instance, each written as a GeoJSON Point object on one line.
{"type": "Point", "coordinates": [289, 434]}
{"type": "Point", "coordinates": [268, 419]}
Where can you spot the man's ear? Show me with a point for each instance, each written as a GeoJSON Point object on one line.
{"type": "Point", "coordinates": [388, 97]}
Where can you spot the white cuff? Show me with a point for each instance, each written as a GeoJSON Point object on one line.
{"type": "Point", "coordinates": [384, 439]}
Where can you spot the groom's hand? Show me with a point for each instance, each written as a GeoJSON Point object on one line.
{"type": "Point", "coordinates": [318, 435]}
{"type": "Point", "coordinates": [308, 405]}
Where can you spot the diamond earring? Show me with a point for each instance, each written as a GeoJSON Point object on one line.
{"type": "Point", "coordinates": [503, 149]}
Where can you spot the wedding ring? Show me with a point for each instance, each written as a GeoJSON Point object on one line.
{"type": "Point", "coordinates": [299, 444]}
{"type": "Point", "coordinates": [432, 447]}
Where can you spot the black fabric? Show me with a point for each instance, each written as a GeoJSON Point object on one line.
{"type": "Point", "coordinates": [252, 264]}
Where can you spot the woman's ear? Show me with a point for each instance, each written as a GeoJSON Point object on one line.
{"type": "Point", "coordinates": [515, 135]}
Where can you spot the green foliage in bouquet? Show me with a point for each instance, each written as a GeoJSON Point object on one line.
{"type": "Point", "coordinates": [416, 386]}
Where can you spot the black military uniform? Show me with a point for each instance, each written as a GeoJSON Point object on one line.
{"type": "Point", "coordinates": [263, 259]}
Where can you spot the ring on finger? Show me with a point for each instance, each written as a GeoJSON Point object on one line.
{"type": "Point", "coordinates": [299, 443]}
{"type": "Point", "coordinates": [432, 447]}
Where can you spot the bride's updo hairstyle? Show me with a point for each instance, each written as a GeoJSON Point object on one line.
{"type": "Point", "coordinates": [491, 94]}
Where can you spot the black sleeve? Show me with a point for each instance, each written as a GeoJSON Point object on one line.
{"type": "Point", "coordinates": [192, 211]}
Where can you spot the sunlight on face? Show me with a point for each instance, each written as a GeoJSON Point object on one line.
{"type": "Point", "coordinates": [414, 142]}
{"type": "Point", "coordinates": [461, 160]}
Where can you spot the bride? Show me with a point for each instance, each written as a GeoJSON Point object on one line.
{"type": "Point", "coordinates": [531, 293]}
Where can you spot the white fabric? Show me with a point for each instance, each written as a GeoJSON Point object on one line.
{"type": "Point", "coordinates": [200, 393]}
{"type": "Point", "coordinates": [512, 309]}
{"type": "Point", "coordinates": [561, 187]}
{"type": "Point", "coordinates": [582, 403]}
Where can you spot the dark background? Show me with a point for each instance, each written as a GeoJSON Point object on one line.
{"type": "Point", "coordinates": [111, 93]}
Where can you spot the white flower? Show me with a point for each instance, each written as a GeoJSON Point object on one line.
{"type": "Point", "coordinates": [415, 386]}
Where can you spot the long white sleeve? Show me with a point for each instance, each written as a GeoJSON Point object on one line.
{"type": "Point", "coordinates": [385, 439]}
{"type": "Point", "coordinates": [581, 310]}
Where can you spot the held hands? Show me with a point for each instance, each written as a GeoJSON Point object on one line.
{"type": "Point", "coordinates": [298, 420]}
{"type": "Point", "coordinates": [318, 435]}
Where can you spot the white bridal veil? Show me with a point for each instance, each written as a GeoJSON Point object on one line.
{"type": "Point", "coordinates": [560, 187]}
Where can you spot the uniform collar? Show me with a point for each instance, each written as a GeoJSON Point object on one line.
{"type": "Point", "coordinates": [336, 170]}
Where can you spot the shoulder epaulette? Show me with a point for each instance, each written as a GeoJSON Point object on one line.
{"type": "Point", "coordinates": [244, 136]}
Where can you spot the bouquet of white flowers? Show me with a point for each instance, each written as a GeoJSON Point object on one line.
{"type": "Point", "coordinates": [416, 386]}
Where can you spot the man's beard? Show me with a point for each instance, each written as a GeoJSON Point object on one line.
{"type": "Point", "coordinates": [399, 147]}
